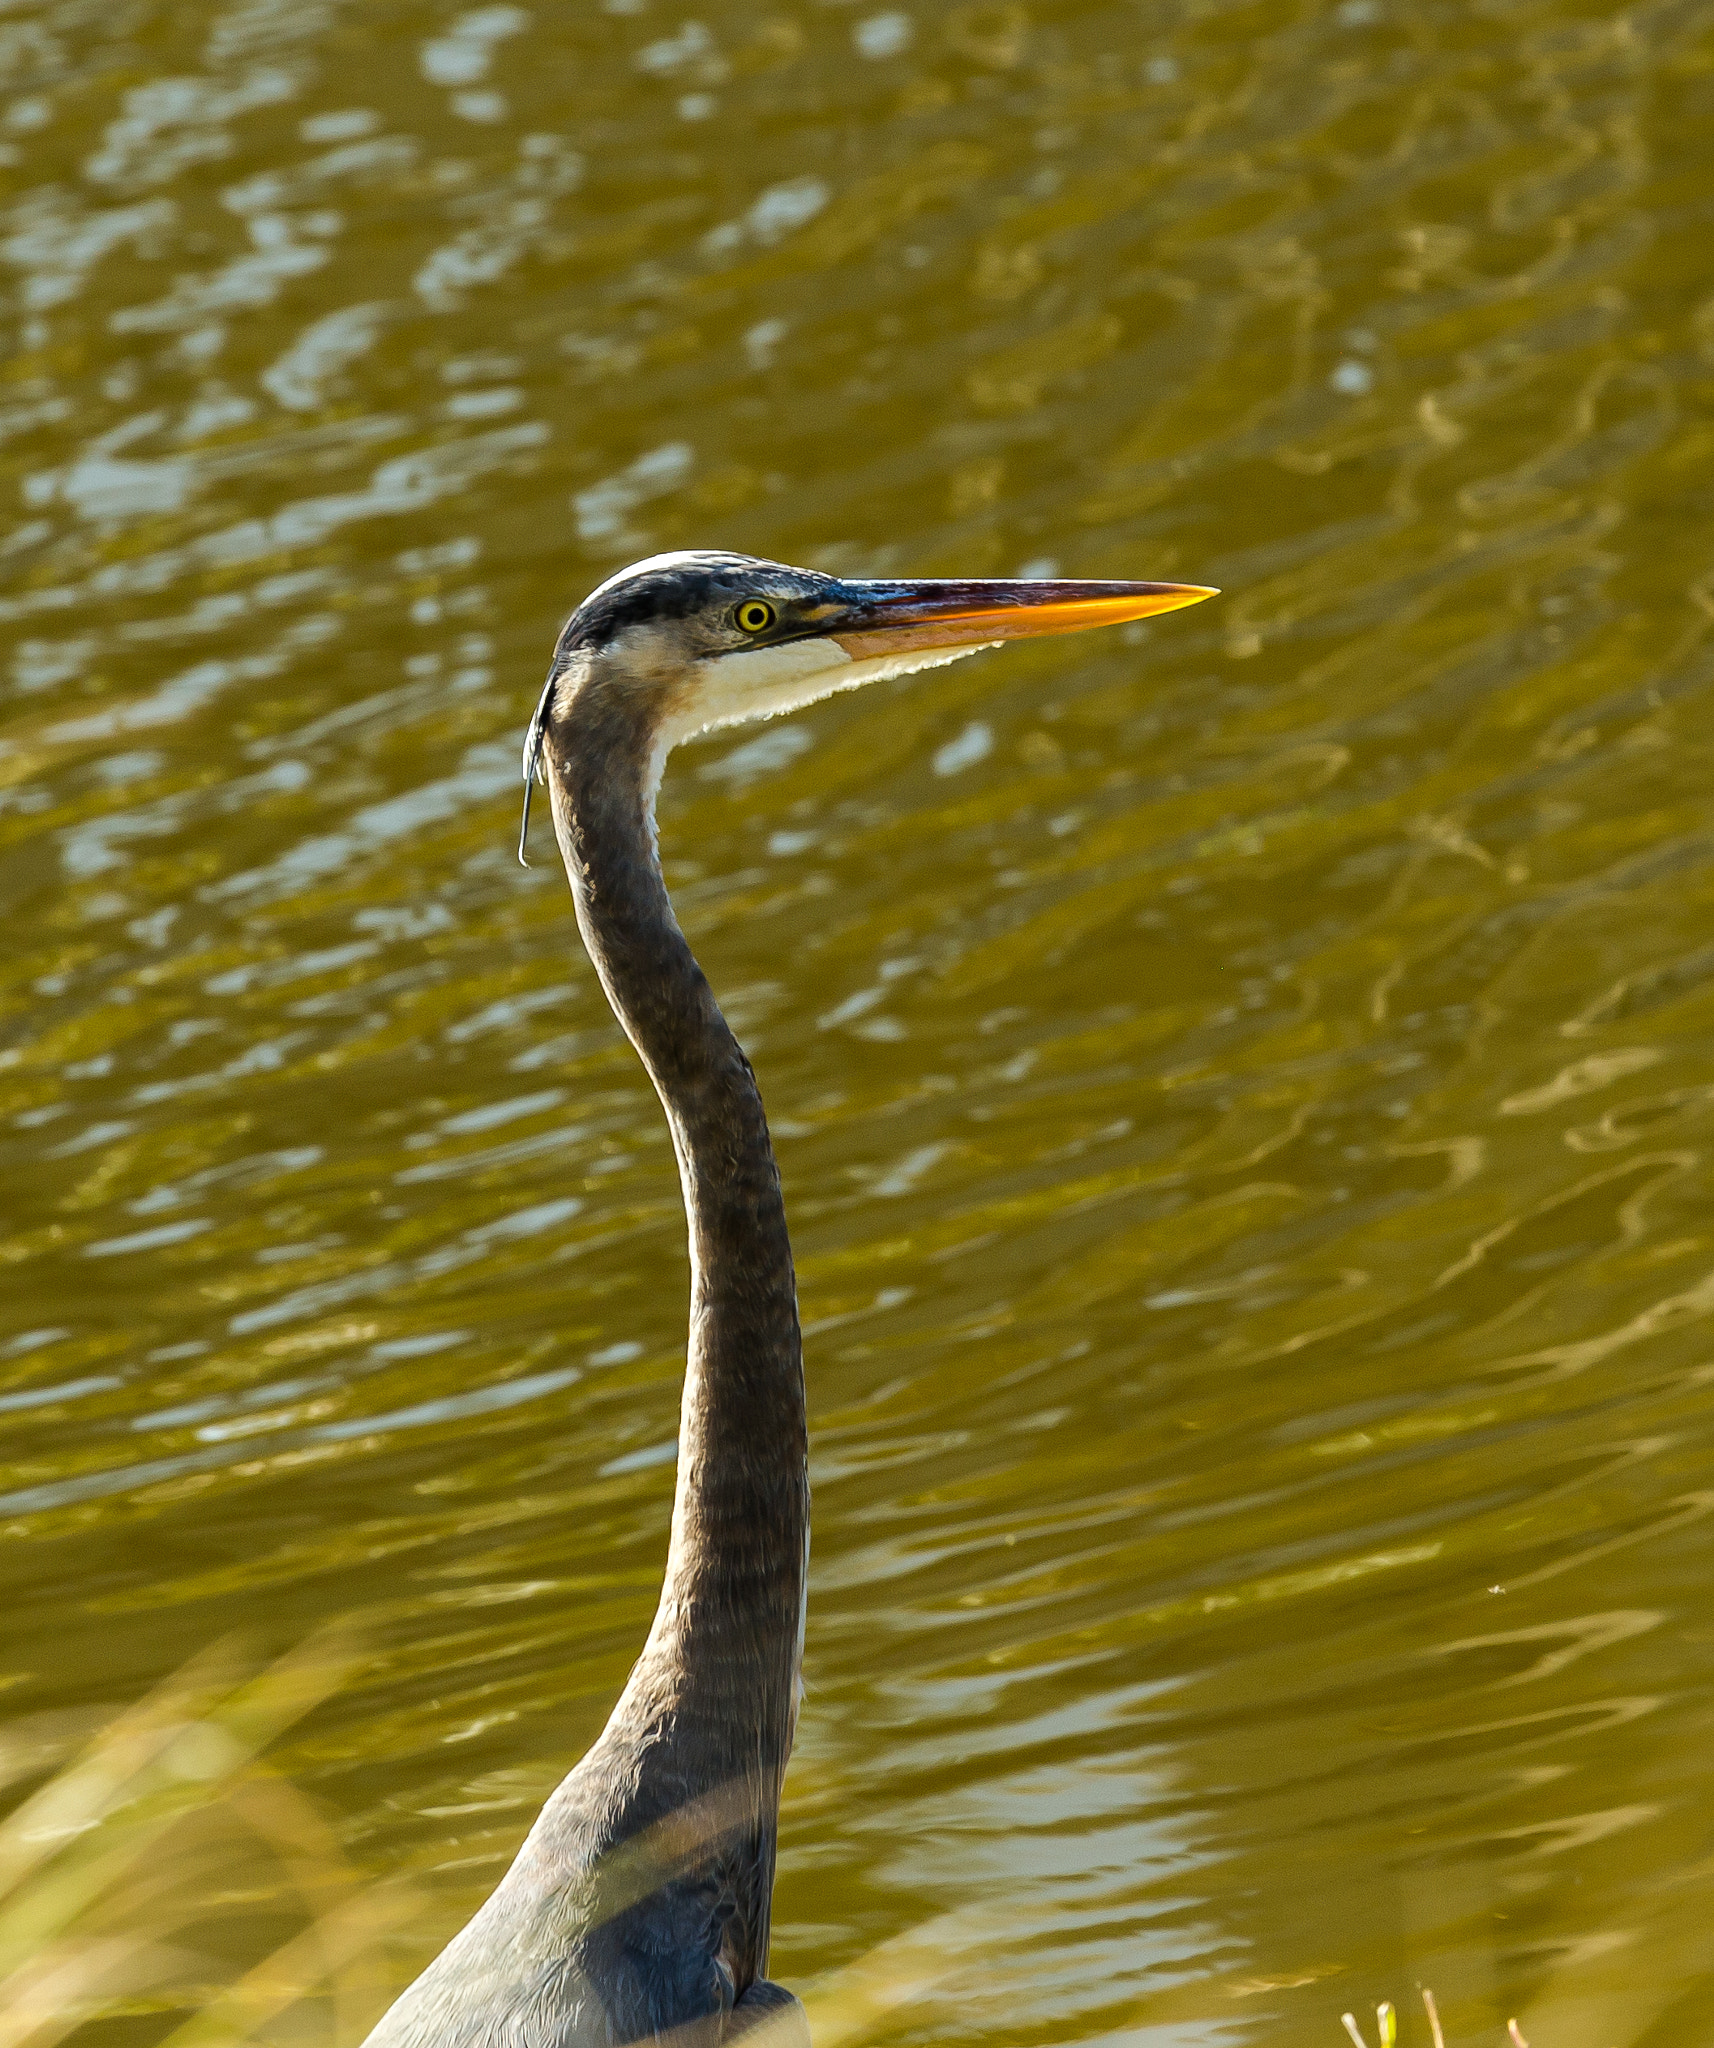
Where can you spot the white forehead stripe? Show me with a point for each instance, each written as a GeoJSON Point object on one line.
{"type": "Point", "coordinates": [679, 558]}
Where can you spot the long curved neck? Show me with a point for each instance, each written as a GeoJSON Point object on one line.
{"type": "Point", "coordinates": [722, 1658]}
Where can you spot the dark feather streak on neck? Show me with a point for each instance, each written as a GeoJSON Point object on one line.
{"type": "Point", "coordinates": [726, 1637]}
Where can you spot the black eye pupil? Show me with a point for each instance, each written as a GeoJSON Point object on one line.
{"type": "Point", "coordinates": [755, 618]}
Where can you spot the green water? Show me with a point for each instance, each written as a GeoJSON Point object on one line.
{"type": "Point", "coordinates": [1242, 1085]}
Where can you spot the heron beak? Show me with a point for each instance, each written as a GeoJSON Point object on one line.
{"type": "Point", "coordinates": [887, 618]}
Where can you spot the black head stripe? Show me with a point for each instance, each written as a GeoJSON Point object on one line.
{"type": "Point", "coordinates": [655, 596]}
{"type": "Point", "coordinates": [678, 587]}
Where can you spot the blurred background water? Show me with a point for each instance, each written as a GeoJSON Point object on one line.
{"type": "Point", "coordinates": [1242, 1085]}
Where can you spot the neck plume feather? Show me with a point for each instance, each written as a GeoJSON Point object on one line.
{"type": "Point", "coordinates": [723, 1654]}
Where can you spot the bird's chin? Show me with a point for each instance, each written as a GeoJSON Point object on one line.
{"type": "Point", "coordinates": [766, 682]}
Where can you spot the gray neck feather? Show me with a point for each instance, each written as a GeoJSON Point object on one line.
{"type": "Point", "coordinates": [717, 1683]}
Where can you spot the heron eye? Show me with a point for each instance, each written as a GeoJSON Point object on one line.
{"type": "Point", "coordinates": [755, 616]}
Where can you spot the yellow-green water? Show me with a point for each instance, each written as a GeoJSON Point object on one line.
{"type": "Point", "coordinates": [1243, 1087]}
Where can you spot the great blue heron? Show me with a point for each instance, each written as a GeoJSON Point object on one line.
{"type": "Point", "coordinates": [639, 1904]}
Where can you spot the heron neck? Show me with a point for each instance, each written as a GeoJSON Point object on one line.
{"type": "Point", "coordinates": [727, 1638]}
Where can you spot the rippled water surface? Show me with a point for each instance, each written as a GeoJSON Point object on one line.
{"type": "Point", "coordinates": [1242, 1085]}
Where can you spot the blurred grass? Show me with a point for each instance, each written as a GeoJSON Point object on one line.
{"type": "Point", "coordinates": [150, 1854]}
{"type": "Point", "coordinates": [149, 1857]}
{"type": "Point", "coordinates": [1387, 2025]}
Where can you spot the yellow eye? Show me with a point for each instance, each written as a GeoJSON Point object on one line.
{"type": "Point", "coordinates": [755, 616]}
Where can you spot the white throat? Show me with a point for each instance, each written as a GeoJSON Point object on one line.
{"type": "Point", "coordinates": [763, 682]}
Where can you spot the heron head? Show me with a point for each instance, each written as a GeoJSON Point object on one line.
{"type": "Point", "coordinates": [682, 643]}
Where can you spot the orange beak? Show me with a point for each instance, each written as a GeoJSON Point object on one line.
{"type": "Point", "coordinates": [884, 618]}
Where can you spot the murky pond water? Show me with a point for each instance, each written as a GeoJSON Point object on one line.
{"type": "Point", "coordinates": [1243, 1086]}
